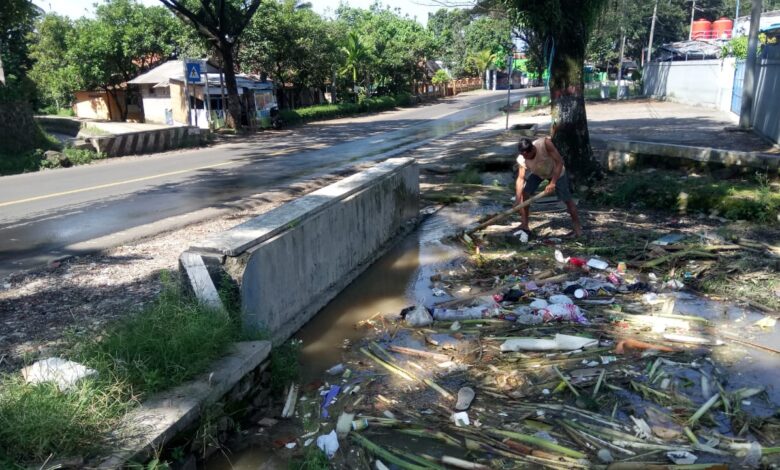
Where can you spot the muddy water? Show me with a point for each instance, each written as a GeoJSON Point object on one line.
{"type": "Point", "coordinates": [745, 366]}
{"type": "Point", "coordinates": [398, 279]}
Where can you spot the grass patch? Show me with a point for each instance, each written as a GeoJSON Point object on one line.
{"type": "Point", "coordinates": [94, 131]}
{"type": "Point", "coordinates": [161, 346]}
{"type": "Point", "coordinates": [168, 342]}
{"type": "Point", "coordinates": [467, 176]}
{"type": "Point", "coordinates": [285, 366]}
{"type": "Point", "coordinates": [334, 111]}
{"type": "Point", "coordinates": [39, 420]}
{"type": "Point", "coordinates": [312, 459]}
{"type": "Point", "coordinates": [745, 199]}
{"type": "Point", "coordinates": [22, 161]}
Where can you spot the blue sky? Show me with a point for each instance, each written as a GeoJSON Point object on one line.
{"type": "Point", "coordinates": [414, 8]}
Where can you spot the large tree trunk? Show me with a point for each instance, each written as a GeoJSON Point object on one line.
{"type": "Point", "coordinates": [233, 118]}
{"type": "Point", "coordinates": [570, 124]}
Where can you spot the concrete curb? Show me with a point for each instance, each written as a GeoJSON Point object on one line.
{"type": "Point", "coordinates": [620, 153]}
{"type": "Point", "coordinates": [162, 416]}
{"type": "Point", "coordinates": [152, 141]}
{"type": "Point", "coordinates": [241, 238]}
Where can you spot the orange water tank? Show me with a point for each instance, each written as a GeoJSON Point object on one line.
{"type": "Point", "coordinates": [721, 29]}
{"type": "Point", "coordinates": [701, 29]}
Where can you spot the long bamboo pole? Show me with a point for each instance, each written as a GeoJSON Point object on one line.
{"type": "Point", "coordinates": [503, 215]}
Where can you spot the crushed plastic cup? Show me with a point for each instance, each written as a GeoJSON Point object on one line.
{"type": "Point", "coordinates": [581, 294]}
{"type": "Point", "coordinates": [579, 262]}
{"type": "Point", "coordinates": [596, 263]}
{"type": "Point", "coordinates": [559, 257]}
{"type": "Point", "coordinates": [338, 369]}
{"type": "Point", "coordinates": [621, 267]}
{"type": "Point", "coordinates": [559, 299]}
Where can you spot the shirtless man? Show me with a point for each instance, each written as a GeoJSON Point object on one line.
{"type": "Point", "coordinates": [539, 160]}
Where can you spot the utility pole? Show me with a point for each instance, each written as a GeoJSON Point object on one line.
{"type": "Point", "coordinates": [509, 61]}
{"type": "Point", "coordinates": [693, 11]}
{"type": "Point", "coordinates": [652, 32]}
{"type": "Point", "coordinates": [622, 47]}
{"type": "Point", "coordinates": [749, 85]}
{"type": "Point", "coordinates": [736, 15]}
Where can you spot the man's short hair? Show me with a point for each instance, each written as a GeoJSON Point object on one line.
{"type": "Point", "coordinates": [524, 144]}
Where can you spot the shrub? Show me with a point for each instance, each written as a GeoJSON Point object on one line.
{"type": "Point", "coordinates": [403, 99]}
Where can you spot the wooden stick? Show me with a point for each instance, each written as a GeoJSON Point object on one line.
{"type": "Point", "coordinates": [503, 215]}
{"type": "Point", "coordinates": [419, 353]}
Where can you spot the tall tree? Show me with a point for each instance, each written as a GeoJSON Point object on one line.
{"type": "Point", "coordinates": [221, 22]}
{"type": "Point", "coordinates": [123, 39]}
{"type": "Point", "coordinates": [566, 25]}
{"type": "Point", "coordinates": [355, 56]}
{"type": "Point", "coordinates": [482, 61]}
{"type": "Point", "coordinates": [54, 76]}
{"type": "Point", "coordinates": [17, 20]}
{"type": "Point", "coordinates": [292, 43]}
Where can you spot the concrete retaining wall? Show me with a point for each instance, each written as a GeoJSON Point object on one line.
{"type": "Point", "coordinates": [698, 82]}
{"type": "Point", "coordinates": [766, 112]}
{"type": "Point", "coordinates": [291, 261]}
{"type": "Point", "coordinates": [152, 141]}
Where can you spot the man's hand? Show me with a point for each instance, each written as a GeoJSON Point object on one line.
{"type": "Point", "coordinates": [550, 188]}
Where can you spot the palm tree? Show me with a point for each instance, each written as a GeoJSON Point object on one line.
{"type": "Point", "coordinates": [482, 60]}
{"type": "Point", "coordinates": [356, 54]}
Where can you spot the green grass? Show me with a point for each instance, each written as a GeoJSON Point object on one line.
{"type": "Point", "coordinates": [94, 131]}
{"type": "Point", "coordinates": [54, 111]}
{"type": "Point", "coordinates": [158, 347]}
{"type": "Point", "coordinates": [312, 459]}
{"type": "Point", "coordinates": [467, 176]}
{"type": "Point", "coordinates": [39, 420]}
{"type": "Point", "coordinates": [21, 161]}
{"type": "Point", "coordinates": [751, 200]}
{"type": "Point", "coordinates": [334, 111]}
{"type": "Point", "coordinates": [285, 366]}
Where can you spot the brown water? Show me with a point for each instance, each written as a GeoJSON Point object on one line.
{"type": "Point", "coordinates": [398, 279]}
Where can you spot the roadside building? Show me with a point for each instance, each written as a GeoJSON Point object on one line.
{"type": "Point", "coordinates": [164, 95]}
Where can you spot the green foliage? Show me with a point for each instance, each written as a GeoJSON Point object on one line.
{"type": "Point", "coordinates": [467, 176]}
{"type": "Point", "coordinates": [482, 60]}
{"type": "Point", "coordinates": [666, 191]}
{"type": "Point", "coordinates": [738, 47]}
{"type": "Point", "coordinates": [291, 42]}
{"type": "Point", "coordinates": [55, 77]}
{"type": "Point", "coordinates": [39, 420]}
{"type": "Point", "coordinates": [312, 459]}
{"type": "Point", "coordinates": [285, 366]}
{"type": "Point", "coordinates": [17, 20]}
{"type": "Point", "coordinates": [355, 56]}
{"type": "Point", "coordinates": [163, 345]}
{"type": "Point", "coordinates": [333, 111]}
{"type": "Point", "coordinates": [441, 77]}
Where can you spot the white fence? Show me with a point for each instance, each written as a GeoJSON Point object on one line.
{"type": "Point", "coordinates": [698, 82]}
{"type": "Point", "coordinates": [710, 83]}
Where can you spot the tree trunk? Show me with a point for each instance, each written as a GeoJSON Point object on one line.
{"type": "Point", "coordinates": [233, 118]}
{"type": "Point", "coordinates": [570, 124]}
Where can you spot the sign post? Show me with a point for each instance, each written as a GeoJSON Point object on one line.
{"type": "Point", "coordinates": [191, 75]}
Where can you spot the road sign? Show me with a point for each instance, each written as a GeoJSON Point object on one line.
{"type": "Point", "coordinates": [192, 70]}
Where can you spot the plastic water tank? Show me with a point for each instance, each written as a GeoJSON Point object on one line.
{"type": "Point", "coordinates": [701, 29]}
{"type": "Point", "coordinates": [722, 28]}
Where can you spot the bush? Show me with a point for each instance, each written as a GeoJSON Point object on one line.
{"type": "Point", "coordinates": [334, 111]}
{"type": "Point", "coordinates": [403, 99]}
{"type": "Point", "coordinates": [730, 199]}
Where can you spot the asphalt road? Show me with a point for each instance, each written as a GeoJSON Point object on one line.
{"type": "Point", "coordinates": [72, 211]}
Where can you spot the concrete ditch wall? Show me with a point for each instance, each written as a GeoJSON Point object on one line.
{"type": "Point", "coordinates": [291, 261]}
{"type": "Point", "coordinates": [159, 140]}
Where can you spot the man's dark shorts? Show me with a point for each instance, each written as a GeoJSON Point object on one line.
{"type": "Point", "coordinates": [561, 188]}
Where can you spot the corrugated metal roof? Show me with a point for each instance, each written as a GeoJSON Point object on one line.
{"type": "Point", "coordinates": [171, 70]}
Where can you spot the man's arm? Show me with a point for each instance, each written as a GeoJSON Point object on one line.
{"type": "Point", "coordinates": [552, 151]}
{"type": "Point", "coordinates": [519, 185]}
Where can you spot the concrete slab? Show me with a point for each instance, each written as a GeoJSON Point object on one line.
{"type": "Point", "coordinates": [117, 128]}
{"type": "Point", "coordinates": [256, 231]}
{"type": "Point", "coordinates": [162, 416]}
